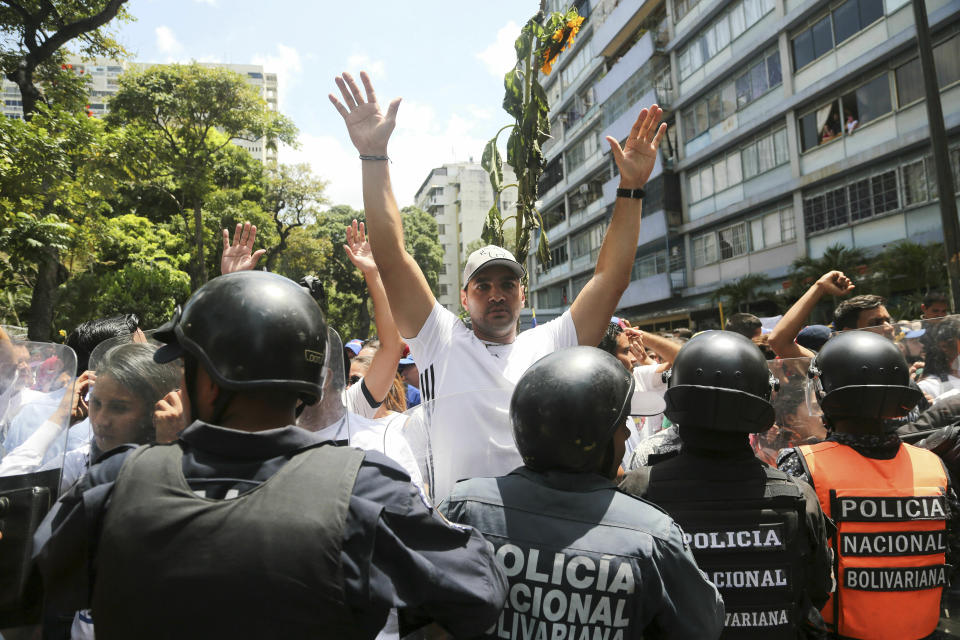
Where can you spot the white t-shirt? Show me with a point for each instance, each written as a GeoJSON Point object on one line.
{"type": "Point", "coordinates": [357, 402]}
{"type": "Point", "coordinates": [470, 432]}
{"type": "Point", "coordinates": [934, 387]}
{"type": "Point", "coordinates": [648, 379]}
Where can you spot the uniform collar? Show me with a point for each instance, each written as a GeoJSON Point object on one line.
{"type": "Point", "coordinates": [566, 481]}
{"type": "Point", "coordinates": [259, 445]}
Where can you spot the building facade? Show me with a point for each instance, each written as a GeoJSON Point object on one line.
{"type": "Point", "coordinates": [104, 83]}
{"type": "Point", "coordinates": [458, 195]}
{"type": "Point", "coordinates": [794, 125]}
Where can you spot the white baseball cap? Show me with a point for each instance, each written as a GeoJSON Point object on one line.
{"type": "Point", "coordinates": [489, 256]}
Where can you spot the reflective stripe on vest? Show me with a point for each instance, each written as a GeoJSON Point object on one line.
{"type": "Point", "coordinates": [891, 538]}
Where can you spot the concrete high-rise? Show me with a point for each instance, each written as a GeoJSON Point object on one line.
{"type": "Point", "coordinates": [104, 83]}
{"type": "Point", "coordinates": [458, 195]}
{"type": "Point", "coordinates": [794, 125]}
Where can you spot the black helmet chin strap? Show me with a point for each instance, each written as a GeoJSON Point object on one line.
{"type": "Point", "coordinates": [220, 406]}
{"type": "Point", "coordinates": [190, 365]}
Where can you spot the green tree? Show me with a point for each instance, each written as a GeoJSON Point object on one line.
{"type": "Point", "coordinates": [35, 32]}
{"type": "Point", "coordinates": [422, 241]}
{"type": "Point", "coordinates": [187, 115]}
{"type": "Point", "coordinates": [806, 270]}
{"type": "Point", "coordinates": [737, 296]}
{"type": "Point", "coordinates": [907, 271]}
{"type": "Point", "coordinates": [291, 194]}
{"type": "Point", "coordinates": [50, 185]}
{"type": "Point", "coordinates": [138, 268]}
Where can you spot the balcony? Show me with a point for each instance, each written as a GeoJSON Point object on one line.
{"type": "Point", "coordinates": [647, 290]}
{"type": "Point", "coordinates": [625, 67]}
{"type": "Point", "coordinates": [621, 23]}
{"type": "Point", "coordinates": [589, 212]}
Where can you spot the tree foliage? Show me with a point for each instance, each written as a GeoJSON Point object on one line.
{"type": "Point", "coordinates": [35, 33]}
{"type": "Point", "coordinates": [187, 115]}
{"type": "Point", "coordinates": [291, 195]}
{"type": "Point", "coordinates": [737, 296]}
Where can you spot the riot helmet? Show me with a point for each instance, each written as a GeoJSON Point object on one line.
{"type": "Point", "coordinates": [720, 381]}
{"type": "Point", "coordinates": [566, 408]}
{"type": "Point", "coordinates": [251, 330]}
{"type": "Point", "coordinates": [860, 374]}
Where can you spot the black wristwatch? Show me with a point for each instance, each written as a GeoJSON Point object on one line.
{"type": "Point", "coordinates": [631, 193]}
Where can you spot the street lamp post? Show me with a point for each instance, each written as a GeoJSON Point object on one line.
{"type": "Point", "coordinates": [941, 159]}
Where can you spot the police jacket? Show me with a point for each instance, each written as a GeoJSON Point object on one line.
{"type": "Point", "coordinates": [385, 546]}
{"type": "Point", "coordinates": [759, 535]}
{"type": "Point", "coordinates": [585, 560]}
{"type": "Point", "coordinates": [891, 542]}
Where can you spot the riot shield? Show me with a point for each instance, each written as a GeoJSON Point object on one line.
{"type": "Point", "coordinates": [796, 420]}
{"type": "Point", "coordinates": [36, 396]}
{"type": "Point", "coordinates": [330, 410]}
{"type": "Point", "coordinates": [101, 349]}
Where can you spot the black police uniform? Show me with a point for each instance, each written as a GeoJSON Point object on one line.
{"type": "Point", "coordinates": [346, 550]}
{"type": "Point", "coordinates": [583, 559]}
{"type": "Point", "coordinates": [759, 535]}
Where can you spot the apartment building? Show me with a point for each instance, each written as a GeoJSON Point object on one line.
{"type": "Point", "coordinates": [458, 195]}
{"type": "Point", "coordinates": [796, 125]}
{"type": "Point", "coordinates": [104, 75]}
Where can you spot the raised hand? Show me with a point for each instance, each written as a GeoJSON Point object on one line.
{"type": "Point", "coordinates": [240, 256]}
{"type": "Point", "coordinates": [835, 283]}
{"type": "Point", "coordinates": [369, 129]}
{"type": "Point", "coordinates": [170, 415]}
{"type": "Point", "coordinates": [358, 248]}
{"type": "Point", "coordinates": [639, 153]}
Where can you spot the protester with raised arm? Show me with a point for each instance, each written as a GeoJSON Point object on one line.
{"type": "Point", "coordinates": [489, 355]}
{"type": "Point", "coordinates": [783, 337]}
{"type": "Point", "coordinates": [492, 292]}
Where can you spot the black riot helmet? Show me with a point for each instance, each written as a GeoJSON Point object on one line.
{"type": "Point", "coordinates": [861, 374]}
{"type": "Point", "coordinates": [567, 406]}
{"type": "Point", "coordinates": [720, 381]}
{"type": "Point", "coordinates": [251, 330]}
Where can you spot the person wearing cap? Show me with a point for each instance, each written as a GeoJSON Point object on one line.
{"type": "Point", "coordinates": [583, 560]}
{"type": "Point", "coordinates": [759, 534]}
{"type": "Point", "coordinates": [353, 348]}
{"type": "Point", "coordinates": [453, 358]}
{"type": "Point", "coordinates": [892, 502]}
{"type": "Point", "coordinates": [259, 528]}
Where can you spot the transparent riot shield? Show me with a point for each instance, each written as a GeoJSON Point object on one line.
{"type": "Point", "coordinates": [36, 399]}
{"type": "Point", "coordinates": [101, 349]}
{"type": "Point", "coordinates": [329, 415]}
{"type": "Point", "coordinates": [796, 420]}
{"type": "Point", "coordinates": [461, 436]}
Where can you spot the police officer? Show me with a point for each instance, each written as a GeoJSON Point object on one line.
{"type": "Point", "coordinates": [888, 499]}
{"type": "Point", "coordinates": [583, 559]}
{"type": "Point", "coordinates": [758, 534]}
{"type": "Point", "coordinates": [247, 527]}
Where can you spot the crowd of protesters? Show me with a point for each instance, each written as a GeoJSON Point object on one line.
{"type": "Point", "coordinates": [241, 472]}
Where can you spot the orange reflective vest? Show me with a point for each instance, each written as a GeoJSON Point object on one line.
{"type": "Point", "coordinates": [889, 550]}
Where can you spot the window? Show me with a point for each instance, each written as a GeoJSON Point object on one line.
{"type": "Point", "coordinates": [582, 150]}
{"type": "Point", "coordinates": [588, 242]}
{"type": "Point", "coordinates": [866, 103]}
{"type": "Point", "coordinates": [787, 225]}
{"type": "Point", "coordinates": [649, 265]}
{"type": "Point", "coordinates": [812, 43]}
{"type": "Point", "coordinates": [441, 229]}
{"type": "Point", "coordinates": [762, 154]}
{"type": "Point", "coordinates": [909, 82]}
{"type": "Point", "coordinates": [860, 203]}
{"type": "Point", "coordinates": [443, 269]}
{"type": "Point", "coordinates": [554, 216]}
{"type": "Point", "coordinates": [552, 175]}
{"type": "Point", "coordinates": [820, 126]}
{"type": "Point", "coordinates": [578, 64]}
{"type": "Point", "coordinates": [946, 58]}
{"type": "Point", "coordinates": [914, 183]}
{"type": "Point", "coordinates": [884, 188]}
{"type": "Point", "coordinates": [683, 7]}
{"type": "Point", "coordinates": [704, 249]}
{"type": "Point", "coordinates": [727, 27]}
{"type": "Point", "coordinates": [761, 76]}
{"type": "Point", "coordinates": [443, 289]}
{"type": "Point", "coordinates": [733, 241]}
{"type": "Point", "coordinates": [844, 21]}
{"type": "Point", "coordinates": [861, 198]}
{"type": "Point", "coordinates": [558, 255]}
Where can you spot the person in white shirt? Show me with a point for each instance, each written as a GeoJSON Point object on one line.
{"type": "Point", "coordinates": [490, 354]}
